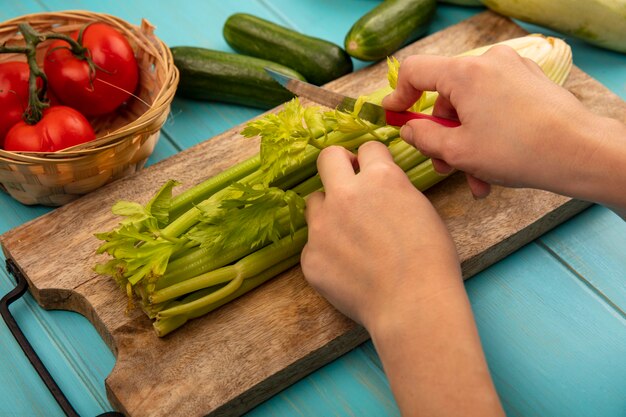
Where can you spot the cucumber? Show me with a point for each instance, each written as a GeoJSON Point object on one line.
{"type": "Point", "coordinates": [318, 60]}
{"type": "Point", "coordinates": [206, 74]}
{"type": "Point", "coordinates": [387, 27]}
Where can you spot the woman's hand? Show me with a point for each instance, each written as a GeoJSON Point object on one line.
{"type": "Point", "coordinates": [519, 129]}
{"type": "Point", "coordinates": [374, 239]}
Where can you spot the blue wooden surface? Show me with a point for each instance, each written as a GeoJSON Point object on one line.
{"type": "Point", "coordinates": [551, 316]}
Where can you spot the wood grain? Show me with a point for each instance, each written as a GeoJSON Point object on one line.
{"type": "Point", "coordinates": [230, 360]}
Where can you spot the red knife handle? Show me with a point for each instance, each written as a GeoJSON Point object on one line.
{"type": "Point", "coordinates": [400, 118]}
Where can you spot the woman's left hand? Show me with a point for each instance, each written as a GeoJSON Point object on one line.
{"type": "Point", "coordinates": [375, 242]}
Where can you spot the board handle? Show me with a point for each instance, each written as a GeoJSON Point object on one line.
{"type": "Point", "coordinates": [15, 294]}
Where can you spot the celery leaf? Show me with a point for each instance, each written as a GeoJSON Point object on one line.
{"type": "Point", "coordinates": [284, 137]}
{"type": "Point", "coordinates": [253, 219]}
{"type": "Point", "coordinates": [393, 67]}
{"type": "Point", "coordinates": [159, 205]}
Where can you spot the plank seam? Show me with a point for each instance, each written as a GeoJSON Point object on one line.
{"type": "Point", "coordinates": [581, 278]}
{"type": "Point", "coordinates": [42, 5]}
{"type": "Point", "coordinates": [276, 12]}
{"type": "Point", "coordinates": [171, 140]}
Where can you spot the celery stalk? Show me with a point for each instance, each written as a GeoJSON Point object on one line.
{"type": "Point", "coordinates": [185, 200]}
{"type": "Point", "coordinates": [164, 326]}
{"type": "Point", "coordinates": [247, 267]}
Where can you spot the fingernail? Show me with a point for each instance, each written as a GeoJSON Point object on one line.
{"type": "Point", "coordinates": [406, 133]}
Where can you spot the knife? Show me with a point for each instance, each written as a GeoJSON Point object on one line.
{"type": "Point", "coordinates": [370, 112]}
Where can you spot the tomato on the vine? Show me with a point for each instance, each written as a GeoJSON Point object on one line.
{"type": "Point", "coordinates": [59, 128]}
{"type": "Point", "coordinates": [13, 94]}
{"type": "Point", "coordinates": [93, 92]}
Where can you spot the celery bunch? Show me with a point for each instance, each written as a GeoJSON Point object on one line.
{"type": "Point", "coordinates": [184, 256]}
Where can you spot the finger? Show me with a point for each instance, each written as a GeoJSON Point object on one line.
{"type": "Point", "coordinates": [506, 53]}
{"type": "Point", "coordinates": [401, 98]}
{"type": "Point", "coordinates": [479, 188]}
{"type": "Point", "coordinates": [443, 108]}
{"type": "Point", "coordinates": [304, 258]}
{"type": "Point", "coordinates": [417, 73]}
{"type": "Point", "coordinates": [441, 167]}
{"type": "Point", "coordinates": [313, 206]}
{"type": "Point", "coordinates": [533, 66]}
{"type": "Point", "coordinates": [371, 152]}
{"type": "Point", "coordinates": [335, 165]}
{"type": "Point", "coordinates": [429, 137]}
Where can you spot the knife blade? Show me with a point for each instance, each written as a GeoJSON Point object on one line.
{"type": "Point", "coordinates": [370, 112]}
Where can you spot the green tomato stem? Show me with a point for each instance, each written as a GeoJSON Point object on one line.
{"type": "Point", "coordinates": [36, 103]}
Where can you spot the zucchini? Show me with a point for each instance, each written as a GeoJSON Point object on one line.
{"type": "Point", "coordinates": [318, 60]}
{"type": "Point", "coordinates": [206, 74]}
{"type": "Point", "coordinates": [387, 27]}
{"type": "Point", "coordinates": [600, 22]}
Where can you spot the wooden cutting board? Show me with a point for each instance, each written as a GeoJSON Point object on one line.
{"type": "Point", "coordinates": [232, 359]}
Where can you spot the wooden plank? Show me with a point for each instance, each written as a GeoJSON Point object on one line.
{"type": "Point", "coordinates": [593, 246]}
{"type": "Point", "coordinates": [349, 386]}
{"type": "Point", "coordinates": [232, 379]}
{"type": "Point", "coordinates": [554, 348]}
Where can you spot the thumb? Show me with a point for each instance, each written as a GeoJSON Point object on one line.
{"type": "Point", "coordinates": [428, 137]}
{"type": "Point", "coordinates": [401, 99]}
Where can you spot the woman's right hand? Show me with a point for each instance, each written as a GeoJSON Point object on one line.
{"type": "Point", "coordinates": [518, 128]}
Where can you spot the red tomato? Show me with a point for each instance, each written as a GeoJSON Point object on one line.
{"type": "Point", "coordinates": [13, 95]}
{"type": "Point", "coordinates": [59, 128]}
{"type": "Point", "coordinates": [116, 73]}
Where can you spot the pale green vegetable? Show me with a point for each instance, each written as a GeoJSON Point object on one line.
{"type": "Point", "coordinates": [600, 22]}
{"type": "Point", "coordinates": [553, 55]}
